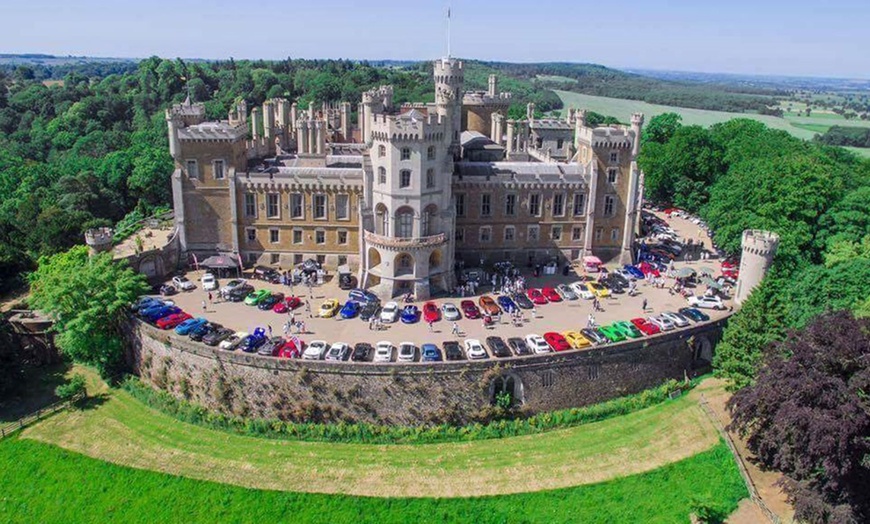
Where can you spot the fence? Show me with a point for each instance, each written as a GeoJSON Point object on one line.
{"type": "Point", "coordinates": [747, 479]}
{"type": "Point", "coordinates": [36, 416]}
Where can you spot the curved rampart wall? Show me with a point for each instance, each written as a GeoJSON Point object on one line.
{"type": "Point", "coordinates": [241, 384]}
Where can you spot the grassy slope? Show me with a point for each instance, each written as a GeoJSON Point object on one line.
{"type": "Point", "coordinates": [42, 483]}
{"type": "Point", "coordinates": [123, 431]}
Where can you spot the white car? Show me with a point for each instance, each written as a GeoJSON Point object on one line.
{"type": "Point", "coordinates": [383, 351]}
{"type": "Point", "coordinates": [233, 340]}
{"type": "Point", "coordinates": [209, 282]}
{"type": "Point", "coordinates": [678, 319]}
{"type": "Point", "coordinates": [706, 302]}
{"type": "Point", "coordinates": [565, 292]}
{"type": "Point", "coordinates": [390, 313]}
{"type": "Point", "coordinates": [315, 350]}
{"type": "Point", "coordinates": [474, 349]}
{"type": "Point", "coordinates": [582, 291]}
{"type": "Point", "coordinates": [664, 323]}
{"type": "Point", "coordinates": [338, 351]}
{"type": "Point", "coordinates": [624, 274]}
{"type": "Point", "coordinates": [183, 283]}
{"type": "Point", "coordinates": [537, 344]}
{"type": "Point", "coordinates": [407, 351]}
{"type": "Point", "coordinates": [231, 285]}
{"type": "Point", "coordinates": [450, 312]}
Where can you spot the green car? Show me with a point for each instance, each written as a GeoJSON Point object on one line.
{"type": "Point", "coordinates": [256, 297]}
{"type": "Point", "coordinates": [627, 328]}
{"type": "Point", "coordinates": [612, 333]}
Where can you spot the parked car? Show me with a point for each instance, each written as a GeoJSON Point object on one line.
{"type": "Point", "coordinates": [407, 352]}
{"type": "Point", "coordinates": [240, 293]}
{"type": "Point", "coordinates": [257, 296]}
{"type": "Point", "coordinates": [209, 282]}
{"type": "Point", "coordinates": [613, 334]}
{"type": "Point", "coordinates": [253, 341]}
{"type": "Point", "coordinates": [267, 273]}
{"type": "Point", "coordinates": [519, 346]}
{"type": "Point", "coordinates": [315, 350]}
{"type": "Point", "coordinates": [633, 271]}
{"type": "Point", "coordinates": [155, 314]}
{"type": "Point", "coordinates": [148, 308]}
{"type": "Point", "coordinates": [597, 289]}
{"type": "Point", "coordinates": [390, 313]}
{"type": "Point", "coordinates": [695, 314]}
{"type": "Point", "coordinates": [551, 294]}
{"type": "Point", "coordinates": [410, 314]}
{"type": "Point", "coordinates": [430, 353]}
{"type": "Point", "coordinates": [288, 304]}
{"type": "Point", "coordinates": [362, 352]}
{"type": "Point", "coordinates": [196, 334]}
{"type": "Point", "coordinates": [338, 351]}
{"type": "Point", "coordinates": [577, 340]}
{"type": "Point", "coordinates": [469, 309]}
{"type": "Point", "coordinates": [537, 344]}
{"type": "Point", "coordinates": [369, 310]}
{"type": "Point", "coordinates": [270, 302]}
{"type": "Point", "coordinates": [506, 304]}
{"type": "Point", "coordinates": [627, 328]}
{"type": "Point", "coordinates": [474, 349]}
{"type": "Point", "coordinates": [536, 296]}
{"type": "Point", "coordinates": [144, 302]}
{"type": "Point", "coordinates": [270, 347]}
{"type": "Point", "coordinates": [663, 323]}
{"type": "Point", "coordinates": [183, 283]}
{"type": "Point", "coordinates": [329, 308]}
{"type": "Point", "coordinates": [645, 326]}
{"type": "Point", "coordinates": [566, 292]}
{"type": "Point", "coordinates": [678, 319]}
{"type": "Point", "coordinates": [231, 285]}
{"type": "Point", "coordinates": [452, 350]}
{"type": "Point", "coordinates": [488, 306]}
{"type": "Point", "coordinates": [172, 321]}
{"type": "Point", "coordinates": [167, 290]}
{"type": "Point", "coordinates": [189, 325]}
{"type": "Point", "coordinates": [350, 309]}
{"type": "Point", "coordinates": [522, 301]}
{"type": "Point", "coordinates": [216, 336]}
{"type": "Point", "coordinates": [556, 341]}
{"type": "Point", "coordinates": [362, 296]}
{"type": "Point", "coordinates": [431, 312]}
{"type": "Point", "coordinates": [450, 312]}
{"type": "Point", "coordinates": [706, 302]}
{"type": "Point", "coordinates": [233, 341]}
{"type": "Point", "coordinates": [291, 349]}
{"type": "Point", "coordinates": [593, 335]}
{"type": "Point", "coordinates": [582, 291]}
{"type": "Point", "coordinates": [625, 274]}
{"type": "Point", "coordinates": [497, 347]}
{"type": "Point", "coordinates": [384, 351]}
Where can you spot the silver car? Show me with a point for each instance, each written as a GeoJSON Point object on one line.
{"type": "Point", "coordinates": [450, 311]}
{"type": "Point", "coordinates": [566, 292]}
{"type": "Point", "coordinates": [678, 319]}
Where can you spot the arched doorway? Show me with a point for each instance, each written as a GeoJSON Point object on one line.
{"type": "Point", "coordinates": [374, 260]}
{"type": "Point", "coordinates": [506, 391]}
{"type": "Point", "coordinates": [404, 222]}
{"type": "Point", "coordinates": [404, 264]}
{"type": "Point", "coordinates": [382, 220]}
{"type": "Point", "coordinates": [435, 261]}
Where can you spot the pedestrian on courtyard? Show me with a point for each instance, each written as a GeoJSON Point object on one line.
{"type": "Point", "coordinates": [644, 304]}
{"type": "Point", "coordinates": [270, 330]}
{"type": "Point", "coordinates": [455, 330]}
{"type": "Point", "coordinates": [210, 298]}
{"type": "Point", "coordinates": [286, 328]}
{"type": "Point", "coordinates": [308, 309]}
{"type": "Point", "coordinates": [534, 312]}
{"type": "Point", "coordinates": [431, 329]}
{"type": "Point", "coordinates": [204, 308]}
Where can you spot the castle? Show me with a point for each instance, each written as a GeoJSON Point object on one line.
{"type": "Point", "coordinates": [408, 193]}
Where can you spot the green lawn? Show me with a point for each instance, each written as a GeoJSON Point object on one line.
{"type": "Point", "coordinates": [46, 484]}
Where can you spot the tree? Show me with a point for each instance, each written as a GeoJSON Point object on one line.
{"type": "Point", "coordinates": [88, 298]}
{"type": "Point", "coordinates": [808, 416]}
{"type": "Point", "coordinates": [847, 220]}
{"type": "Point", "coordinates": [661, 128]}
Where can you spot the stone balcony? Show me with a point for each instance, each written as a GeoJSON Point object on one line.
{"type": "Point", "coordinates": [398, 243]}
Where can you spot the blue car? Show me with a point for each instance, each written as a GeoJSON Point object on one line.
{"type": "Point", "coordinates": [155, 314]}
{"type": "Point", "coordinates": [635, 272]}
{"type": "Point", "coordinates": [350, 309]}
{"type": "Point", "coordinates": [144, 303]}
{"type": "Point", "coordinates": [148, 308]}
{"type": "Point", "coordinates": [189, 325]}
{"type": "Point", "coordinates": [430, 353]}
{"type": "Point", "coordinates": [410, 314]}
{"type": "Point", "coordinates": [252, 342]}
{"type": "Point", "coordinates": [362, 295]}
{"type": "Point", "coordinates": [507, 304]}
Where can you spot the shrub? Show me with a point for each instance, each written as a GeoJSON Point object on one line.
{"type": "Point", "coordinates": [73, 390]}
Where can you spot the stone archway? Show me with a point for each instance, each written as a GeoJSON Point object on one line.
{"type": "Point", "coordinates": [507, 391]}
{"type": "Point", "coordinates": [702, 351]}
{"type": "Point", "coordinates": [435, 261]}
{"type": "Point", "coordinates": [374, 260]}
{"type": "Point", "coordinates": [404, 264]}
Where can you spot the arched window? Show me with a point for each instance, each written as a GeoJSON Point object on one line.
{"type": "Point", "coordinates": [382, 175]}
{"type": "Point", "coordinates": [430, 153]}
{"type": "Point", "coordinates": [405, 223]}
{"type": "Point", "coordinates": [382, 221]}
{"type": "Point", "coordinates": [382, 151]}
{"type": "Point", "coordinates": [406, 153]}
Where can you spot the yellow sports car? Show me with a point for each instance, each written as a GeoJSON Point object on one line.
{"type": "Point", "coordinates": [597, 289]}
{"type": "Point", "coordinates": [576, 340]}
{"type": "Point", "coordinates": [329, 308]}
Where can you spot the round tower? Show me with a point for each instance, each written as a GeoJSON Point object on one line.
{"type": "Point", "coordinates": [637, 127]}
{"type": "Point", "coordinates": [99, 240]}
{"type": "Point", "coordinates": [449, 77]}
{"type": "Point", "coordinates": [758, 250]}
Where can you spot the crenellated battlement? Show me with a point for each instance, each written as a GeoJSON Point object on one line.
{"type": "Point", "coordinates": [411, 125]}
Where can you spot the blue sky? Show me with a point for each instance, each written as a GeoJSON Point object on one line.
{"type": "Point", "coordinates": [796, 37]}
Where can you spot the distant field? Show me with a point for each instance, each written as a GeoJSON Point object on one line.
{"type": "Point", "coordinates": [556, 78]}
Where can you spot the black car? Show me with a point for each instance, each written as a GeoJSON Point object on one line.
{"type": "Point", "coordinates": [369, 310]}
{"type": "Point", "coordinates": [594, 335]}
{"type": "Point", "coordinates": [613, 285]}
{"type": "Point", "coordinates": [362, 352]}
{"type": "Point", "coordinates": [345, 281]}
{"type": "Point", "coordinates": [213, 338]}
{"type": "Point", "coordinates": [203, 330]}
{"type": "Point", "coordinates": [522, 301]}
{"type": "Point", "coordinates": [453, 351]}
{"type": "Point", "coordinates": [270, 301]}
{"type": "Point", "coordinates": [268, 349]}
{"type": "Point", "coordinates": [267, 273]}
{"type": "Point", "coordinates": [519, 346]}
{"type": "Point", "coordinates": [695, 314]}
{"type": "Point", "coordinates": [498, 347]}
{"type": "Point", "coordinates": [619, 279]}
{"type": "Point", "coordinates": [239, 293]}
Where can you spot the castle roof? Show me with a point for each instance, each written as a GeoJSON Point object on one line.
{"type": "Point", "coordinates": [212, 131]}
{"type": "Point", "coordinates": [523, 171]}
{"type": "Point", "coordinates": [550, 123]}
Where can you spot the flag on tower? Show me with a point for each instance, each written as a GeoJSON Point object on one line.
{"type": "Point", "coordinates": [448, 12]}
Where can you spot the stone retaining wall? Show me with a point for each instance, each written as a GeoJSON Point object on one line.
{"type": "Point", "coordinates": [247, 385]}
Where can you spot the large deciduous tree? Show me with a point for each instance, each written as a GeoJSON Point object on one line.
{"type": "Point", "coordinates": [808, 415]}
{"type": "Point", "coordinates": [87, 297]}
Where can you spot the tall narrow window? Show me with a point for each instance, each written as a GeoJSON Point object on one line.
{"type": "Point", "coordinates": [382, 151]}
{"type": "Point", "coordinates": [320, 236]}
{"type": "Point", "coordinates": [297, 236]}
{"type": "Point", "coordinates": [556, 233]}
{"type": "Point", "coordinates": [342, 237]}
{"type": "Point", "coordinates": [510, 233]}
{"type": "Point", "coordinates": [406, 153]}
{"type": "Point", "coordinates": [608, 205]}
{"type": "Point", "coordinates": [319, 207]}
{"type": "Point", "coordinates": [297, 205]}
{"type": "Point", "coordinates": [404, 178]}
{"type": "Point", "coordinates": [485, 234]}
{"type": "Point", "coordinates": [612, 172]}
{"type": "Point", "coordinates": [218, 168]}
{"type": "Point", "coordinates": [560, 143]}
{"type": "Point", "coordinates": [534, 233]}
{"type": "Point", "coordinates": [192, 169]}
{"type": "Point", "coordinates": [250, 205]}
{"type": "Point", "coordinates": [430, 153]}
{"type": "Point", "coordinates": [382, 175]}
{"type": "Point", "coordinates": [430, 178]}
{"type": "Point", "coordinates": [614, 234]}
{"type": "Point", "coordinates": [535, 204]}
{"type": "Point", "coordinates": [485, 205]}
{"type": "Point", "coordinates": [577, 234]}
{"type": "Point", "coordinates": [342, 207]}
{"type": "Point", "coordinates": [273, 205]}
{"type": "Point", "coordinates": [273, 236]}
{"type": "Point", "coordinates": [558, 205]}
{"type": "Point", "coordinates": [405, 225]}
{"type": "Point", "coordinates": [579, 203]}
{"type": "Point", "coordinates": [510, 205]}
{"type": "Point", "coordinates": [460, 204]}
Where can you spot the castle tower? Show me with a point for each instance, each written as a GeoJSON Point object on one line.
{"type": "Point", "coordinates": [758, 249]}
{"type": "Point", "coordinates": [99, 240]}
{"type": "Point", "coordinates": [634, 201]}
{"type": "Point", "coordinates": [449, 77]}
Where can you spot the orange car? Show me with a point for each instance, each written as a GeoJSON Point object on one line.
{"type": "Point", "coordinates": [488, 305]}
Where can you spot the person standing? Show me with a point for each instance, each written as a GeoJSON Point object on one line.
{"type": "Point", "coordinates": [644, 304]}
{"type": "Point", "coordinates": [455, 330]}
{"type": "Point", "coordinates": [204, 307]}
{"type": "Point", "coordinates": [270, 330]}
{"type": "Point", "coordinates": [210, 298]}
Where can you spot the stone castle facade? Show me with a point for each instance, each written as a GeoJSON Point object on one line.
{"type": "Point", "coordinates": [409, 192]}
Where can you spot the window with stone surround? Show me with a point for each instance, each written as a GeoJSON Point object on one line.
{"type": "Point", "coordinates": [382, 175]}
{"type": "Point", "coordinates": [430, 178]}
{"type": "Point", "coordinates": [579, 204]}
{"type": "Point", "coordinates": [250, 234]}
{"type": "Point", "coordinates": [609, 205]}
{"type": "Point", "coordinates": [251, 205]}
{"type": "Point", "coordinates": [485, 205]}
{"type": "Point", "coordinates": [430, 153]}
{"type": "Point", "coordinates": [559, 205]}
{"type": "Point", "coordinates": [534, 233]}
{"type": "Point", "coordinates": [405, 178]}
{"type": "Point", "coordinates": [612, 174]}
{"type": "Point", "coordinates": [556, 233]}
{"type": "Point", "coordinates": [614, 157]}
{"type": "Point", "coordinates": [510, 233]}
{"type": "Point", "coordinates": [460, 204]}
{"type": "Point", "coordinates": [535, 204]}
{"type": "Point", "coordinates": [320, 236]}
{"type": "Point", "coordinates": [577, 234]}
{"type": "Point", "coordinates": [510, 205]}
{"type": "Point", "coordinates": [273, 236]}
{"type": "Point", "coordinates": [406, 153]}
{"type": "Point", "coordinates": [320, 207]}
{"type": "Point", "coordinates": [342, 207]}
{"type": "Point", "coordinates": [382, 151]}
{"type": "Point", "coordinates": [342, 237]}
{"type": "Point", "coordinates": [297, 206]}
{"type": "Point", "coordinates": [614, 234]}
{"type": "Point", "coordinates": [273, 205]}
{"type": "Point", "coordinates": [485, 234]}
{"type": "Point", "coordinates": [218, 169]}
{"type": "Point", "coordinates": [599, 233]}
{"type": "Point", "coordinates": [192, 168]}
{"type": "Point", "coordinates": [297, 236]}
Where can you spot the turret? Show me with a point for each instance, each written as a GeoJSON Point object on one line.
{"type": "Point", "coordinates": [758, 249]}
{"type": "Point", "coordinates": [493, 86]}
{"type": "Point", "coordinates": [449, 77]}
{"type": "Point", "coordinates": [637, 127]}
{"type": "Point", "coordinates": [173, 122]}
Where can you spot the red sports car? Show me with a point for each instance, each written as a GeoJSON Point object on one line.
{"type": "Point", "coordinates": [469, 309]}
{"type": "Point", "coordinates": [536, 296]}
{"type": "Point", "coordinates": [647, 327]}
{"type": "Point", "coordinates": [729, 263]}
{"type": "Point", "coordinates": [551, 294]}
{"type": "Point", "coordinates": [173, 320]}
{"type": "Point", "coordinates": [289, 350]}
{"type": "Point", "coordinates": [287, 304]}
{"type": "Point", "coordinates": [647, 269]}
{"type": "Point", "coordinates": [730, 272]}
{"type": "Point", "coordinates": [431, 312]}
{"type": "Point", "coordinates": [557, 341]}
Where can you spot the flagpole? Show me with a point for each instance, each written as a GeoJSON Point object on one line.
{"type": "Point", "coordinates": [448, 31]}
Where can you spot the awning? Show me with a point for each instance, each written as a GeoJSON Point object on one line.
{"type": "Point", "coordinates": [344, 270]}
{"type": "Point", "coordinates": [592, 260]}
{"type": "Point", "coordinates": [709, 282]}
{"type": "Point", "coordinates": [220, 262]}
{"type": "Point", "coordinates": [706, 270]}
{"type": "Point", "coordinates": [684, 272]}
